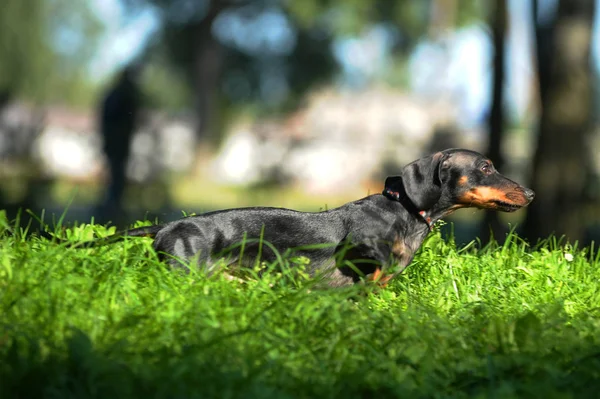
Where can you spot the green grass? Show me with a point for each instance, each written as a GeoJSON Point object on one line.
{"type": "Point", "coordinates": [112, 322]}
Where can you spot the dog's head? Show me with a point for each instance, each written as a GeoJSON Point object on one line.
{"type": "Point", "coordinates": [458, 178]}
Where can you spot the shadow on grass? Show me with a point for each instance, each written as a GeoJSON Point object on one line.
{"type": "Point", "coordinates": [29, 370]}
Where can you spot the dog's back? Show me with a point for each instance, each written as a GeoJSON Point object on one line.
{"type": "Point", "coordinates": [251, 232]}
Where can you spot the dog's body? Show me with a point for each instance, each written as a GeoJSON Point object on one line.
{"type": "Point", "coordinates": [372, 234]}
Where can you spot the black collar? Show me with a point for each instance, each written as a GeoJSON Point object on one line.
{"type": "Point", "coordinates": [402, 197]}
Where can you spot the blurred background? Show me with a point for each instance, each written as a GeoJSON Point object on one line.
{"type": "Point", "coordinates": [121, 110]}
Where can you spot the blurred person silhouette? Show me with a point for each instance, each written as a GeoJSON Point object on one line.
{"type": "Point", "coordinates": [118, 119]}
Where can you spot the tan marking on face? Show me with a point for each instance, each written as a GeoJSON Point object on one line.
{"type": "Point", "coordinates": [482, 197]}
{"type": "Point", "coordinates": [517, 197]}
{"type": "Point", "coordinates": [485, 197]}
{"type": "Point", "coordinates": [463, 180]}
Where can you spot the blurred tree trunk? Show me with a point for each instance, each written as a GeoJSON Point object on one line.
{"type": "Point", "coordinates": [492, 228]}
{"type": "Point", "coordinates": [206, 67]}
{"type": "Point", "coordinates": [560, 164]}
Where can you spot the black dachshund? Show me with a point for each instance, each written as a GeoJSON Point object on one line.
{"type": "Point", "coordinates": [374, 238]}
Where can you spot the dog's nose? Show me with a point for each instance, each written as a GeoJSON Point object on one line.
{"type": "Point", "coordinates": [529, 193]}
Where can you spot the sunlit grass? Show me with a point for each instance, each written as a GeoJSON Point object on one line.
{"type": "Point", "coordinates": [112, 322]}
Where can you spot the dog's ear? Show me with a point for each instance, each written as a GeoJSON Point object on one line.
{"type": "Point", "coordinates": [422, 180]}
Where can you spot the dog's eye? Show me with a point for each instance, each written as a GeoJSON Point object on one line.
{"type": "Point", "coordinates": [487, 168]}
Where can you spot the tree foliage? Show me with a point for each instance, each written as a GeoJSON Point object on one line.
{"type": "Point", "coordinates": [45, 48]}
{"type": "Point", "coordinates": [270, 52]}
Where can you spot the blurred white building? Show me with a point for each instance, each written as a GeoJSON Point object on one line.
{"type": "Point", "coordinates": [337, 141]}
